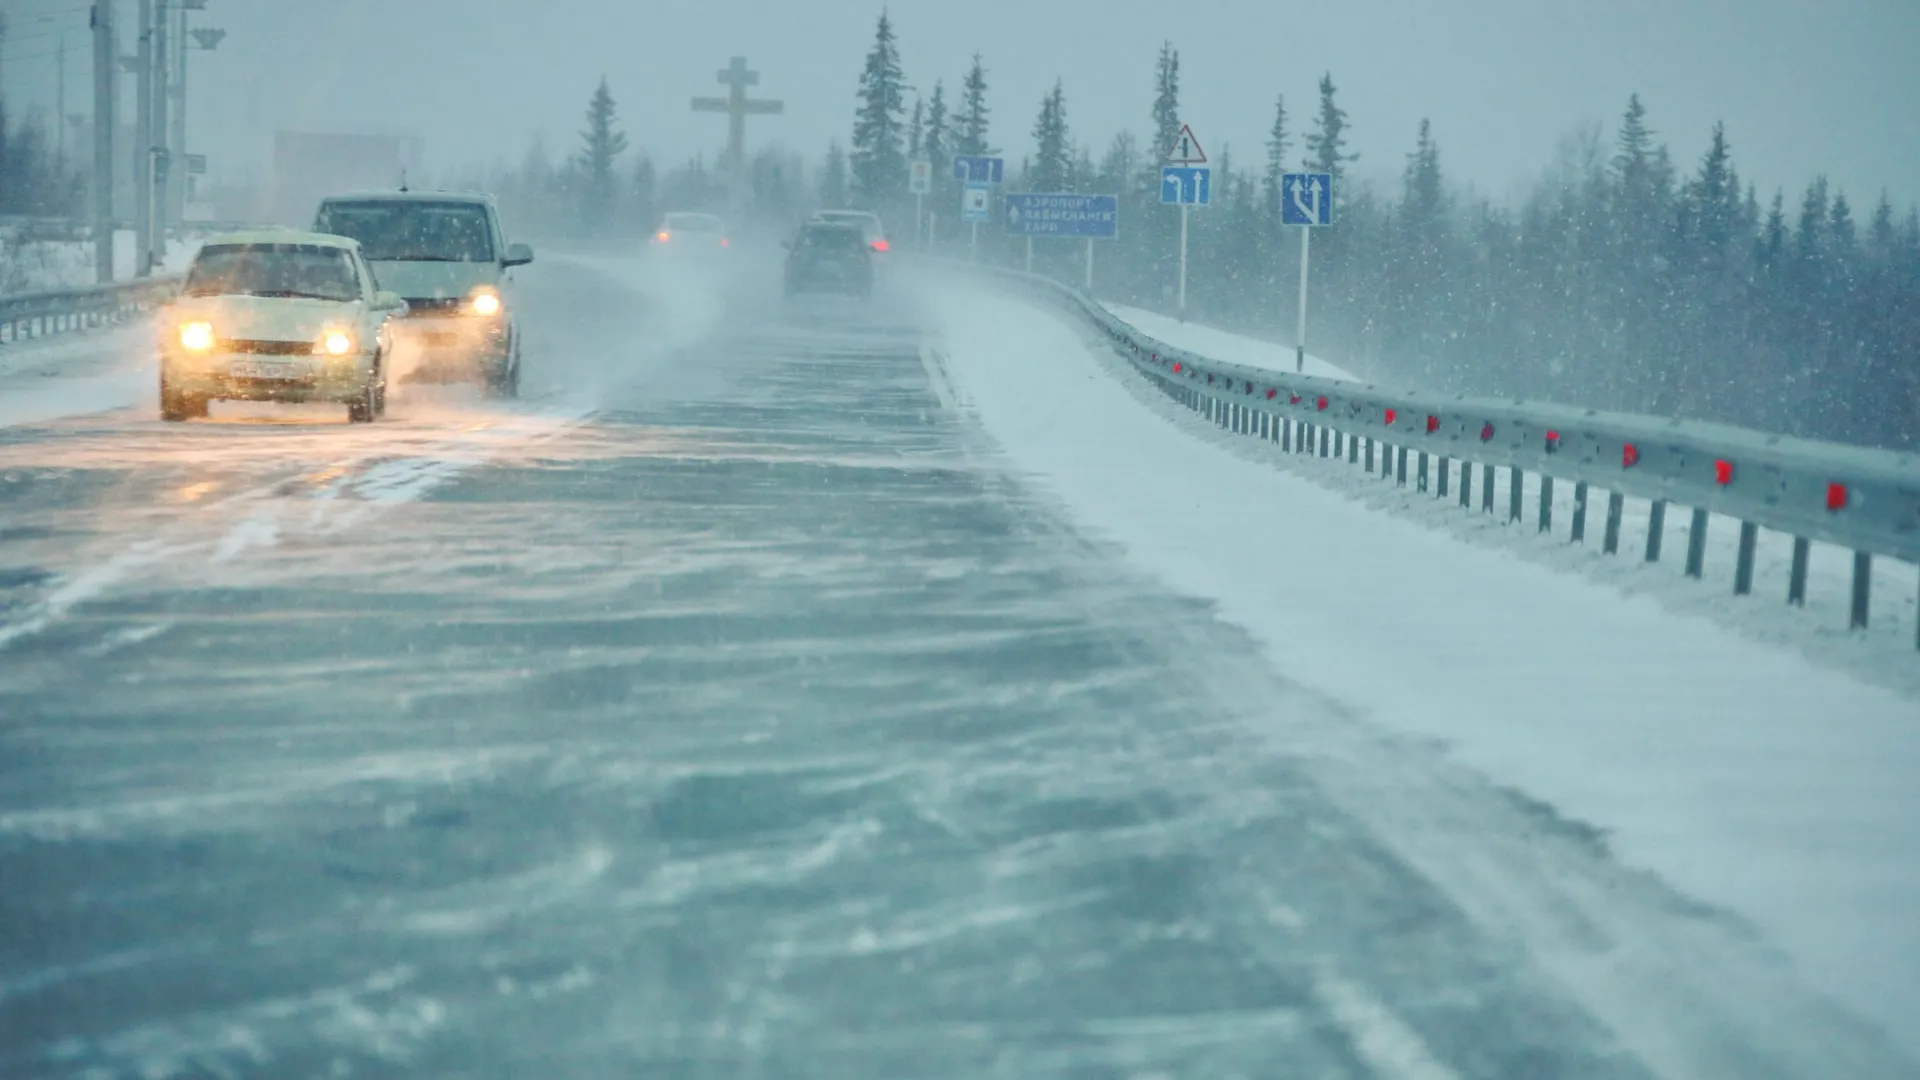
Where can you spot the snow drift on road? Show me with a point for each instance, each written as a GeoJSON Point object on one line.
{"type": "Point", "coordinates": [1746, 776]}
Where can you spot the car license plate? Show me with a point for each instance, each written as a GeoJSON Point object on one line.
{"type": "Point", "coordinates": [264, 369]}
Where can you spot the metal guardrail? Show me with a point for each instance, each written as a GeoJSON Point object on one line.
{"type": "Point", "coordinates": [51, 311]}
{"type": "Point", "coordinates": [1867, 501]}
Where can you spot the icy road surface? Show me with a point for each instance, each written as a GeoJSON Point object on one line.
{"type": "Point", "coordinates": [731, 708]}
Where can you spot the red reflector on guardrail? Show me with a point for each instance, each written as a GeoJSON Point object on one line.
{"type": "Point", "coordinates": [1271, 392]}
{"type": "Point", "coordinates": [1553, 441]}
{"type": "Point", "coordinates": [1486, 433]}
{"type": "Point", "coordinates": [1836, 496]}
{"type": "Point", "coordinates": [1723, 472]}
{"type": "Point", "coordinates": [1293, 399]}
{"type": "Point", "coordinates": [1392, 416]}
{"type": "Point", "coordinates": [1433, 424]}
{"type": "Point", "coordinates": [1176, 366]}
{"type": "Point", "coordinates": [1629, 456]}
{"type": "Point", "coordinates": [1321, 404]}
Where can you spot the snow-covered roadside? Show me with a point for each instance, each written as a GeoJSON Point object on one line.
{"type": "Point", "coordinates": [79, 372]}
{"type": "Point", "coordinates": [1221, 345]}
{"type": "Point", "coordinates": [1744, 775]}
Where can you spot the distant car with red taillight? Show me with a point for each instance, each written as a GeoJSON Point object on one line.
{"type": "Point", "coordinates": [690, 232]}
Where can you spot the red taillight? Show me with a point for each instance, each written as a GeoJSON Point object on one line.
{"type": "Point", "coordinates": [663, 236]}
{"type": "Point", "coordinates": [879, 245]}
{"type": "Point", "coordinates": [1723, 472]}
{"type": "Point", "coordinates": [1629, 456]}
{"type": "Point", "coordinates": [724, 242]}
{"type": "Point", "coordinates": [1836, 496]}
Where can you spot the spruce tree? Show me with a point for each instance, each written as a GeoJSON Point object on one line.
{"type": "Point", "coordinates": [1840, 228]}
{"type": "Point", "coordinates": [917, 130]}
{"type": "Point", "coordinates": [1423, 205]}
{"type": "Point", "coordinates": [1633, 157]}
{"type": "Point", "coordinates": [934, 141]}
{"type": "Point", "coordinates": [1166, 103]}
{"type": "Point", "coordinates": [642, 192]}
{"type": "Point", "coordinates": [1276, 160]}
{"type": "Point", "coordinates": [833, 178]}
{"type": "Point", "coordinates": [603, 143]}
{"type": "Point", "coordinates": [1881, 226]}
{"type": "Point", "coordinates": [1326, 146]}
{"type": "Point", "coordinates": [970, 134]}
{"type": "Point", "coordinates": [879, 161]}
{"type": "Point", "coordinates": [1052, 161]}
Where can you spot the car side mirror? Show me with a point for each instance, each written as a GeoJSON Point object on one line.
{"type": "Point", "coordinates": [388, 301]}
{"type": "Point", "coordinates": [518, 255]}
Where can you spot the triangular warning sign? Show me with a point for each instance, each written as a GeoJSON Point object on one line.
{"type": "Point", "coordinates": [1186, 149]}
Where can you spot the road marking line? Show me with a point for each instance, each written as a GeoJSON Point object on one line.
{"type": "Point", "coordinates": [931, 360]}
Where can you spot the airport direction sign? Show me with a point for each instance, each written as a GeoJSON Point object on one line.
{"type": "Point", "coordinates": [1095, 217]}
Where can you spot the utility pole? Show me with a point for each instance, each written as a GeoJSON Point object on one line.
{"type": "Point", "coordinates": [60, 103]}
{"type": "Point", "coordinates": [106, 61]}
{"type": "Point", "coordinates": [143, 145]}
{"type": "Point", "coordinates": [163, 142]}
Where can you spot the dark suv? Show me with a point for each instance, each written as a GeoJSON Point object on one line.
{"type": "Point", "coordinates": [824, 257]}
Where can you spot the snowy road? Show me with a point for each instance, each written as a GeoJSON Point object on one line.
{"type": "Point", "coordinates": [731, 707]}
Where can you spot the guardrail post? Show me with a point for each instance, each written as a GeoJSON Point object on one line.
{"type": "Point", "coordinates": [1656, 526]}
{"type": "Point", "coordinates": [1286, 435]}
{"type": "Point", "coordinates": [1400, 467]}
{"type": "Point", "coordinates": [1862, 585]}
{"type": "Point", "coordinates": [1743, 561]}
{"type": "Point", "coordinates": [1516, 492]}
{"type": "Point", "coordinates": [1580, 511]}
{"type": "Point", "coordinates": [1797, 574]}
{"type": "Point", "coordinates": [1486, 489]}
{"type": "Point", "coordinates": [1546, 503]}
{"type": "Point", "coordinates": [1697, 543]}
{"type": "Point", "coordinates": [1353, 449]}
{"type": "Point", "coordinates": [1324, 434]}
{"type": "Point", "coordinates": [1616, 506]}
{"type": "Point", "coordinates": [1446, 468]}
{"type": "Point", "coordinates": [1466, 485]}
{"type": "Point", "coordinates": [1420, 481]}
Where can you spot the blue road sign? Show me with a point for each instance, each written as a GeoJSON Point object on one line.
{"type": "Point", "coordinates": [1096, 216]}
{"type": "Point", "coordinates": [1186, 185]}
{"type": "Point", "coordinates": [976, 203]}
{"type": "Point", "coordinates": [979, 170]}
{"type": "Point", "coordinates": [1306, 198]}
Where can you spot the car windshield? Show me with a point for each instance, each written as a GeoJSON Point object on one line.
{"type": "Point", "coordinates": [410, 230]}
{"type": "Point", "coordinates": [285, 270]}
{"type": "Point", "coordinates": [692, 223]}
{"type": "Point", "coordinates": [832, 239]}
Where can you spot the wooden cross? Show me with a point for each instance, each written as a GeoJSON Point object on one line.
{"type": "Point", "coordinates": [736, 78]}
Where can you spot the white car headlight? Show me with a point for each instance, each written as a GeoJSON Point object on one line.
{"type": "Point", "coordinates": [484, 302]}
{"type": "Point", "coordinates": [196, 336]}
{"type": "Point", "coordinates": [335, 343]}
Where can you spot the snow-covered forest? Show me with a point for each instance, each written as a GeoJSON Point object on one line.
{"type": "Point", "coordinates": [1623, 279]}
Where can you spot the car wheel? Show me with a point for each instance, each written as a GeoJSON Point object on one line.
{"type": "Point", "coordinates": [365, 405]}
{"type": "Point", "coordinates": [176, 405]}
{"type": "Point", "coordinates": [379, 386]}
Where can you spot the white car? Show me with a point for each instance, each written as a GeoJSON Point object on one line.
{"type": "Point", "coordinates": [867, 223]}
{"type": "Point", "coordinates": [277, 316]}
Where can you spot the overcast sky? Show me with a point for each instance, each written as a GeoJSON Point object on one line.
{"type": "Point", "coordinates": [1805, 87]}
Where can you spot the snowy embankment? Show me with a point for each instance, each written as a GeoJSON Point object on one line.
{"type": "Point", "coordinates": [1221, 345]}
{"type": "Point", "coordinates": [1744, 774]}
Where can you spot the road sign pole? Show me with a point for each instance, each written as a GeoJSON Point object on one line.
{"type": "Point", "coordinates": [1300, 338]}
{"type": "Point", "coordinates": [1029, 254]}
{"type": "Point", "coordinates": [1089, 266]}
{"type": "Point", "coordinates": [1183, 260]}
{"type": "Point", "coordinates": [973, 242]}
{"type": "Point", "coordinates": [919, 218]}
